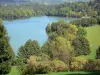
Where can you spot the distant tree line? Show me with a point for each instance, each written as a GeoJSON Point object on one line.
{"type": "Point", "coordinates": [75, 10]}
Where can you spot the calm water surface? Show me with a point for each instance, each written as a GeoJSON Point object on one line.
{"type": "Point", "coordinates": [33, 28]}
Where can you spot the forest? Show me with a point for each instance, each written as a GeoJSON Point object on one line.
{"type": "Point", "coordinates": [75, 10]}
{"type": "Point", "coordinates": [68, 47]}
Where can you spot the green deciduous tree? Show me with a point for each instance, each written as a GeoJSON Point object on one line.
{"type": "Point", "coordinates": [81, 32]}
{"type": "Point", "coordinates": [81, 46]}
{"type": "Point", "coordinates": [62, 49]}
{"type": "Point", "coordinates": [85, 22]}
{"type": "Point", "coordinates": [61, 28]}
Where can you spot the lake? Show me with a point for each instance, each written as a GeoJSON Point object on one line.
{"type": "Point", "coordinates": [33, 28]}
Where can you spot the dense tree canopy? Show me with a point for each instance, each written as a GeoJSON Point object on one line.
{"type": "Point", "coordinates": [75, 10]}
{"type": "Point", "coordinates": [81, 46]}
{"type": "Point", "coordinates": [29, 49]}
{"type": "Point", "coordinates": [61, 28]}
{"type": "Point", "coordinates": [6, 52]}
{"type": "Point", "coordinates": [62, 49]}
{"type": "Point", "coordinates": [81, 32]}
{"type": "Point", "coordinates": [85, 22]}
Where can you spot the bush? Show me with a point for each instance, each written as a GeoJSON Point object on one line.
{"type": "Point", "coordinates": [92, 65]}
{"type": "Point", "coordinates": [29, 68]}
{"type": "Point", "coordinates": [78, 64]}
{"type": "Point", "coordinates": [35, 65]}
{"type": "Point", "coordinates": [59, 66]}
{"type": "Point", "coordinates": [43, 68]}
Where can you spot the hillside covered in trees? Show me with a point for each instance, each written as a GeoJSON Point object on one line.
{"type": "Point", "coordinates": [39, 1]}
{"type": "Point", "coordinates": [75, 10]}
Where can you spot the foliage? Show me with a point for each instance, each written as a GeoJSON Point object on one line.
{"type": "Point", "coordinates": [81, 46]}
{"type": "Point", "coordinates": [21, 66]}
{"type": "Point", "coordinates": [29, 49]}
{"type": "Point", "coordinates": [44, 67]}
{"type": "Point", "coordinates": [47, 49]}
{"type": "Point", "coordinates": [62, 49]}
{"type": "Point", "coordinates": [61, 28]}
{"type": "Point", "coordinates": [6, 52]}
{"type": "Point", "coordinates": [98, 19]}
{"type": "Point", "coordinates": [75, 10]}
{"type": "Point", "coordinates": [81, 32]}
{"type": "Point", "coordinates": [92, 65]}
{"type": "Point", "coordinates": [59, 66]}
{"type": "Point", "coordinates": [78, 64]}
{"type": "Point", "coordinates": [15, 12]}
{"type": "Point", "coordinates": [31, 67]}
{"type": "Point", "coordinates": [98, 53]}
{"type": "Point", "coordinates": [85, 22]}
{"type": "Point", "coordinates": [37, 67]}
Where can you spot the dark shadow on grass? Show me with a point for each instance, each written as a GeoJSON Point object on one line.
{"type": "Point", "coordinates": [95, 73]}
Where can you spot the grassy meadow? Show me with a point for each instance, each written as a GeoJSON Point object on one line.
{"type": "Point", "coordinates": [93, 35]}
{"type": "Point", "coordinates": [14, 71]}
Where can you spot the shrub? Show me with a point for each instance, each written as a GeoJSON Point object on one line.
{"type": "Point", "coordinates": [59, 66]}
{"type": "Point", "coordinates": [29, 68]}
{"type": "Point", "coordinates": [51, 66]}
{"type": "Point", "coordinates": [78, 64]}
{"type": "Point", "coordinates": [43, 68]}
{"type": "Point", "coordinates": [35, 65]}
{"type": "Point", "coordinates": [92, 65]}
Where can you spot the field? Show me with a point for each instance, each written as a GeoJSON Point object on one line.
{"type": "Point", "coordinates": [15, 72]}
{"type": "Point", "coordinates": [93, 35]}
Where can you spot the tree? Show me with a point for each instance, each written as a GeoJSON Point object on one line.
{"type": "Point", "coordinates": [81, 32]}
{"type": "Point", "coordinates": [98, 53]}
{"type": "Point", "coordinates": [85, 22]}
{"type": "Point", "coordinates": [61, 28]}
{"type": "Point", "coordinates": [81, 46]}
{"type": "Point", "coordinates": [6, 52]}
{"type": "Point", "coordinates": [29, 49]}
{"type": "Point", "coordinates": [98, 19]}
{"type": "Point", "coordinates": [47, 49]}
{"type": "Point", "coordinates": [62, 49]}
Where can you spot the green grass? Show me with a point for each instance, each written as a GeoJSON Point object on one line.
{"type": "Point", "coordinates": [67, 73]}
{"type": "Point", "coordinates": [93, 35]}
{"type": "Point", "coordinates": [14, 71]}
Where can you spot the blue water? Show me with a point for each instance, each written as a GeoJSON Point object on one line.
{"type": "Point", "coordinates": [33, 28]}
